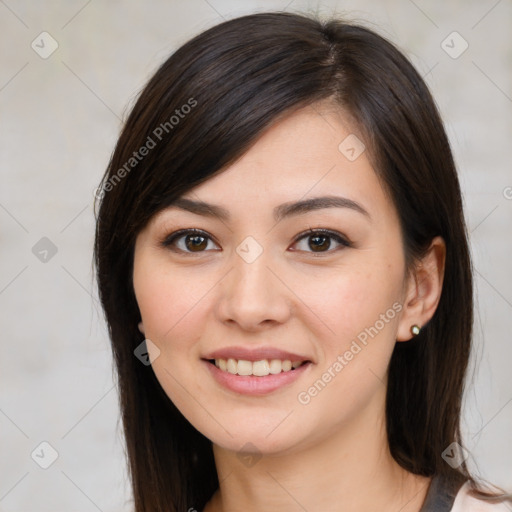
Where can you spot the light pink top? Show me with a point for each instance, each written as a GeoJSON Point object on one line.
{"type": "Point", "coordinates": [465, 503]}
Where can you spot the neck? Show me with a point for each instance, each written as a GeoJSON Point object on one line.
{"type": "Point", "coordinates": [350, 468]}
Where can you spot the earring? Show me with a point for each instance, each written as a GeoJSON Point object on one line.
{"type": "Point", "coordinates": [415, 330]}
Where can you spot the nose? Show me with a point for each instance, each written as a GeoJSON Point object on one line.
{"type": "Point", "coordinates": [253, 295]}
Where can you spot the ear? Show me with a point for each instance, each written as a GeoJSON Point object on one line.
{"type": "Point", "coordinates": [141, 327]}
{"type": "Point", "coordinates": [423, 289]}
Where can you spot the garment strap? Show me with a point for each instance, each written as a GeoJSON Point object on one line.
{"type": "Point", "coordinates": [441, 495]}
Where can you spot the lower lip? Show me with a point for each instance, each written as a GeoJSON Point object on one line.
{"type": "Point", "coordinates": [252, 385]}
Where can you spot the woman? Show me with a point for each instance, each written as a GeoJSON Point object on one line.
{"type": "Point", "coordinates": [283, 263]}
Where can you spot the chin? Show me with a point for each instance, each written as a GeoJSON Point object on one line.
{"type": "Point", "coordinates": [268, 436]}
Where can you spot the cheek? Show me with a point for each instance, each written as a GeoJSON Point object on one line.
{"type": "Point", "coordinates": [353, 303]}
{"type": "Point", "coordinates": [361, 309]}
{"type": "Point", "coordinates": [168, 301]}
{"type": "Point", "coordinates": [171, 304]}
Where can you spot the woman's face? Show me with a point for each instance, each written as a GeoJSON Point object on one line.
{"type": "Point", "coordinates": [252, 285]}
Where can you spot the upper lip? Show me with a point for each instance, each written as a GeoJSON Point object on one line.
{"type": "Point", "coordinates": [255, 354]}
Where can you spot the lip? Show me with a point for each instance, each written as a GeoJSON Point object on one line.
{"type": "Point", "coordinates": [255, 354]}
{"type": "Point", "coordinates": [253, 385]}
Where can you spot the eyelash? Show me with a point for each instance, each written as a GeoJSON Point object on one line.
{"type": "Point", "coordinates": [169, 241]}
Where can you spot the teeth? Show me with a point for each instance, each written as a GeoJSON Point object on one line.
{"type": "Point", "coordinates": [232, 366]}
{"type": "Point", "coordinates": [275, 366]}
{"type": "Point", "coordinates": [257, 368]}
{"type": "Point", "coordinates": [244, 368]}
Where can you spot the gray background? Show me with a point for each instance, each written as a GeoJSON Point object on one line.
{"type": "Point", "coordinates": [60, 117]}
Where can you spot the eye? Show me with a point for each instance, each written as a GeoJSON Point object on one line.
{"type": "Point", "coordinates": [196, 241]}
{"type": "Point", "coordinates": [188, 241]}
{"type": "Point", "coordinates": [320, 241]}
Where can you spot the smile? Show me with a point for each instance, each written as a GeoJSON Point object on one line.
{"type": "Point", "coordinates": [256, 377]}
{"type": "Point", "coordinates": [260, 368]}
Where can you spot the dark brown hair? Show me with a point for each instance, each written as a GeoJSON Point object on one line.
{"type": "Point", "coordinates": [235, 80]}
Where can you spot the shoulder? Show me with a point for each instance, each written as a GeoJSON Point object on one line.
{"type": "Point", "coordinates": [466, 503]}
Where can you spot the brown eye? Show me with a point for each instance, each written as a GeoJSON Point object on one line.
{"type": "Point", "coordinates": [195, 242]}
{"type": "Point", "coordinates": [321, 241]}
{"type": "Point", "coordinates": [188, 241]}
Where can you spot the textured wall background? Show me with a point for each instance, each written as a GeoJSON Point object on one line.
{"type": "Point", "coordinates": [60, 115]}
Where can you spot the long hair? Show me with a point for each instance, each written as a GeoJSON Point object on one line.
{"type": "Point", "coordinates": [203, 109]}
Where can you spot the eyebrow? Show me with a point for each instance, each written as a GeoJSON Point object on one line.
{"type": "Point", "coordinates": [280, 212]}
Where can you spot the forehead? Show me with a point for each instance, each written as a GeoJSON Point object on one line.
{"type": "Point", "coordinates": [311, 152]}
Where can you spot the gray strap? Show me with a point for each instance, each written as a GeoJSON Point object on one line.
{"type": "Point", "coordinates": [441, 495]}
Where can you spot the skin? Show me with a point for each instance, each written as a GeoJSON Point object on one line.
{"type": "Point", "coordinates": [331, 453]}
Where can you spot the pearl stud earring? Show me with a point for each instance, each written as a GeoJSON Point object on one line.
{"type": "Point", "coordinates": [415, 330]}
